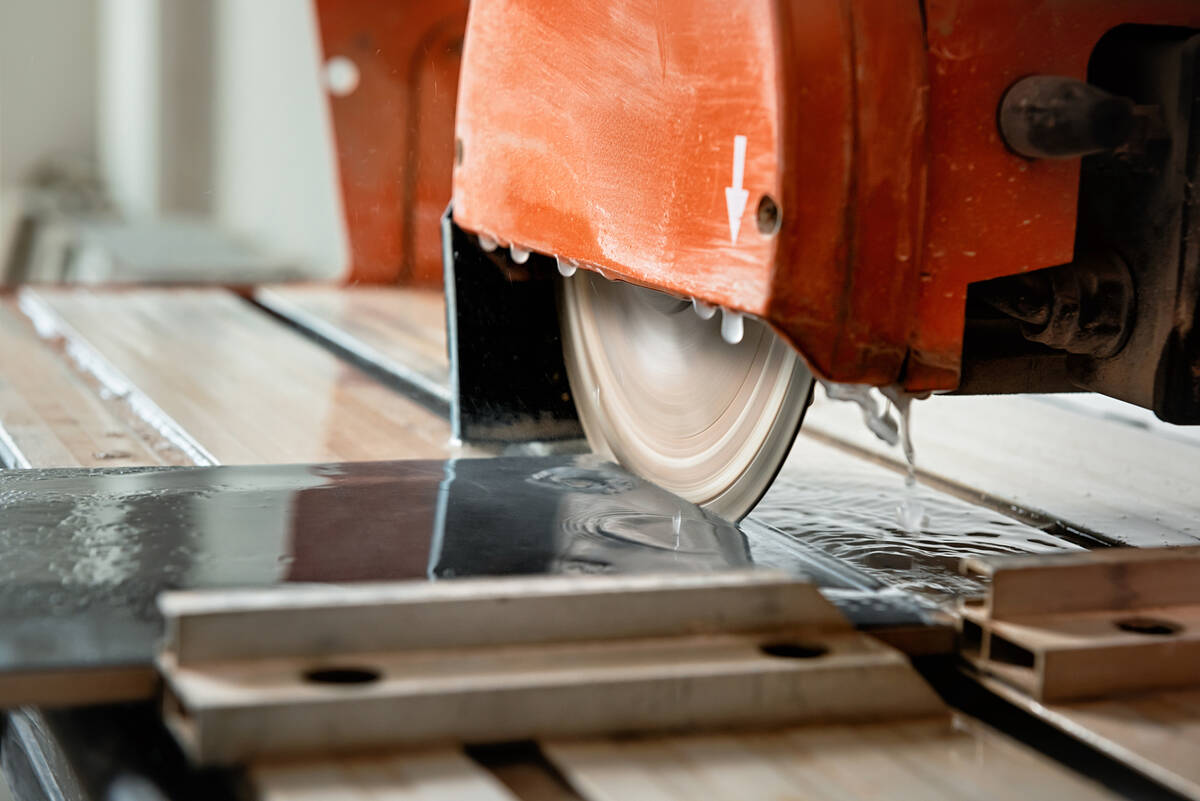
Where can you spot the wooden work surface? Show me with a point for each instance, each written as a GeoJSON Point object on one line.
{"type": "Point", "coordinates": [54, 416]}
{"type": "Point", "coordinates": [402, 332]}
{"type": "Point", "coordinates": [1122, 482]}
{"type": "Point", "coordinates": [200, 376]}
{"type": "Point", "coordinates": [227, 383]}
{"type": "Point", "coordinates": [925, 760]}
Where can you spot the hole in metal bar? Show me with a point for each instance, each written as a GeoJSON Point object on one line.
{"type": "Point", "coordinates": [793, 650]}
{"type": "Point", "coordinates": [342, 675]}
{"type": "Point", "coordinates": [1149, 625]}
{"type": "Point", "coordinates": [1002, 650]}
{"type": "Point", "coordinates": [972, 637]}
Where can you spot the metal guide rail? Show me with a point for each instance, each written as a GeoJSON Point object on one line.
{"type": "Point", "coordinates": [1104, 645]}
{"type": "Point", "coordinates": [309, 669]}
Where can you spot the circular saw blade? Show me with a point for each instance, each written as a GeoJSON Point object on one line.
{"type": "Point", "coordinates": [658, 389]}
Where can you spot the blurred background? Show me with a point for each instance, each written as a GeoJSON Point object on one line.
{"type": "Point", "coordinates": [167, 140]}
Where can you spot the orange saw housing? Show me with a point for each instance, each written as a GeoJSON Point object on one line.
{"type": "Point", "coordinates": [833, 167]}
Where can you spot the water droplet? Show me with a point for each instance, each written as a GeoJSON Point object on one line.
{"type": "Point", "coordinates": [704, 311]}
{"type": "Point", "coordinates": [487, 243]}
{"type": "Point", "coordinates": [566, 267]}
{"type": "Point", "coordinates": [732, 328]}
{"type": "Point", "coordinates": [519, 255]}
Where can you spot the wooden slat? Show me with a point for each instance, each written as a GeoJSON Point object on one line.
{"type": "Point", "coordinates": [1095, 474]}
{"type": "Point", "coordinates": [445, 775]}
{"type": "Point", "coordinates": [401, 331]}
{"type": "Point", "coordinates": [1157, 733]}
{"type": "Point", "coordinates": [225, 381]}
{"type": "Point", "coordinates": [1113, 410]}
{"type": "Point", "coordinates": [50, 417]}
{"type": "Point", "coordinates": [927, 760]}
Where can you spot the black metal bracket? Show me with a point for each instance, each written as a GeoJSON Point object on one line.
{"type": "Point", "coordinates": [508, 382]}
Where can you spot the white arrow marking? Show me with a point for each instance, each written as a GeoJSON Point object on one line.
{"type": "Point", "coordinates": [735, 196]}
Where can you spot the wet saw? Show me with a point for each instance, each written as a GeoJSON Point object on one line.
{"type": "Point", "coordinates": [667, 217]}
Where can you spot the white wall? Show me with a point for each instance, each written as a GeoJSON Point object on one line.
{"type": "Point", "coordinates": [201, 107]}
{"type": "Point", "coordinates": [129, 109]}
{"type": "Point", "coordinates": [47, 85]}
{"type": "Point", "coordinates": [275, 177]}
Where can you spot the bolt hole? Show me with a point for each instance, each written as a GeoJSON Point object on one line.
{"type": "Point", "coordinates": [1149, 625]}
{"type": "Point", "coordinates": [793, 650]}
{"type": "Point", "coordinates": [342, 675]}
{"type": "Point", "coordinates": [767, 216]}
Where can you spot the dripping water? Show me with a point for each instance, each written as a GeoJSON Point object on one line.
{"type": "Point", "coordinates": [911, 512]}
{"type": "Point", "coordinates": [875, 415]}
{"type": "Point", "coordinates": [703, 310]}
{"type": "Point", "coordinates": [566, 267]}
{"type": "Point", "coordinates": [732, 327]}
{"type": "Point", "coordinates": [881, 421]}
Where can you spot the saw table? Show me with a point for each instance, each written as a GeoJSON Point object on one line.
{"type": "Point", "coordinates": [305, 374]}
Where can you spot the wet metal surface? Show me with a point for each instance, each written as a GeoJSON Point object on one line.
{"type": "Point", "coordinates": [847, 508]}
{"type": "Point", "coordinates": [84, 553]}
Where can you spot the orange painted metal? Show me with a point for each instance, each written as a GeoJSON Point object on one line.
{"type": "Point", "coordinates": [604, 132]}
{"type": "Point", "coordinates": [606, 135]}
{"type": "Point", "coordinates": [992, 213]}
{"type": "Point", "coordinates": [856, 328]}
{"type": "Point", "coordinates": [394, 133]}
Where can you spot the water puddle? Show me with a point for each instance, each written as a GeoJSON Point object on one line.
{"type": "Point", "coordinates": [86, 552]}
{"type": "Point", "coordinates": [846, 508]}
